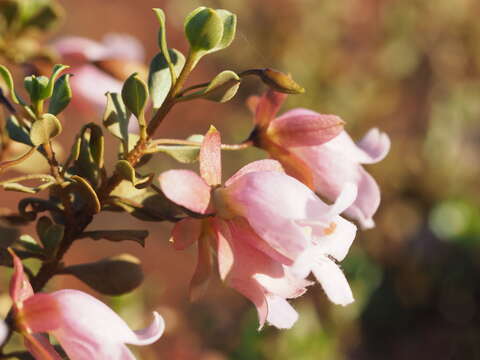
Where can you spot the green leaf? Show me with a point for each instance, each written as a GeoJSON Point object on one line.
{"type": "Point", "coordinates": [204, 29]}
{"type": "Point", "coordinates": [144, 204]}
{"type": "Point", "coordinates": [57, 69]}
{"type": "Point", "coordinates": [185, 154]}
{"type": "Point", "coordinates": [17, 132]}
{"type": "Point", "coordinates": [51, 239]}
{"type": "Point", "coordinates": [229, 28]}
{"type": "Point", "coordinates": [162, 42]}
{"type": "Point", "coordinates": [20, 188]}
{"type": "Point", "coordinates": [7, 78]}
{"type": "Point", "coordinates": [159, 79]}
{"type": "Point", "coordinates": [89, 194]}
{"type": "Point", "coordinates": [45, 129]}
{"type": "Point", "coordinates": [223, 87]}
{"type": "Point", "coordinates": [111, 276]}
{"type": "Point", "coordinates": [37, 87]}
{"type": "Point", "coordinates": [43, 224]}
{"type": "Point", "coordinates": [46, 17]}
{"type": "Point", "coordinates": [138, 236]}
{"type": "Point", "coordinates": [29, 244]}
{"type": "Point", "coordinates": [135, 94]}
{"type": "Point", "coordinates": [126, 171]}
{"type": "Point", "coordinates": [62, 94]}
{"type": "Point", "coordinates": [116, 117]}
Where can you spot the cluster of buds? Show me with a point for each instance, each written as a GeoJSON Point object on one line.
{"type": "Point", "coordinates": [266, 227]}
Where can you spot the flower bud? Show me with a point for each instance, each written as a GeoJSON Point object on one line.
{"type": "Point", "coordinates": [204, 29]}
{"type": "Point", "coordinates": [280, 82]}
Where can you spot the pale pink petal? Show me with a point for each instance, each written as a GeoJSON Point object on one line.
{"type": "Point", "coordinates": [339, 241]}
{"type": "Point", "coordinates": [186, 232]}
{"type": "Point", "coordinates": [272, 203]}
{"type": "Point", "coordinates": [287, 286]}
{"type": "Point", "coordinates": [254, 292]}
{"type": "Point", "coordinates": [20, 288]}
{"type": "Point", "coordinates": [41, 313]}
{"type": "Point", "coordinates": [302, 127]}
{"type": "Point", "coordinates": [252, 103]}
{"type": "Point", "coordinates": [91, 85]}
{"type": "Point", "coordinates": [259, 165]}
{"type": "Point", "coordinates": [224, 248]}
{"type": "Point", "coordinates": [123, 47]}
{"type": "Point", "coordinates": [203, 270]}
{"type": "Point", "coordinates": [210, 158]}
{"type": "Point", "coordinates": [79, 48]}
{"type": "Point", "coordinates": [333, 281]}
{"type": "Point", "coordinates": [375, 144]}
{"type": "Point", "coordinates": [268, 106]}
{"type": "Point", "coordinates": [367, 202]}
{"type": "Point", "coordinates": [280, 313]}
{"type": "Point", "coordinates": [187, 189]}
{"type": "Point", "coordinates": [346, 198]}
{"type": "Point", "coordinates": [242, 230]}
{"type": "Point", "coordinates": [91, 330]}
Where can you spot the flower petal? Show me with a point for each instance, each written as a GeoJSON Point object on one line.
{"type": "Point", "coordinates": [20, 288]}
{"type": "Point", "coordinates": [345, 199]}
{"type": "Point", "coordinates": [224, 248]}
{"type": "Point", "coordinates": [185, 233]}
{"type": "Point", "coordinates": [254, 292]}
{"type": "Point", "coordinates": [280, 313]}
{"type": "Point", "coordinates": [367, 202]}
{"type": "Point", "coordinates": [123, 47]}
{"type": "Point", "coordinates": [91, 330]}
{"type": "Point", "coordinates": [201, 277]}
{"type": "Point", "coordinates": [293, 164]}
{"type": "Point", "coordinates": [339, 241]}
{"type": "Point", "coordinates": [375, 144]}
{"type": "Point", "coordinates": [333, 281]}
{"type": "Point", "coordinates": [80, 48]}
{"type": "Point", "coordinates": [41, 313]}
{"type": "Point", "coordinates": [259, 165]}
{"type": "Point", "coordinates": [267, 107]}
{"type": "Point", "coordinates": [242, 230]}
{"type": "Point", "coordinates": [187, 189]}
{"type": "Point", "coordinates": [210, 157]}
{"type": "Point", "coordinates": [255, 196]}
{"type": "Point", "coordinates": [302, 127]}
{"type": "Point", "coordinates": [87, 75]}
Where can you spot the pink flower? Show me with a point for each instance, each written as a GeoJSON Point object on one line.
{"type": "Point", "coordinates": [255, 224]}
{"type": "Point", "coordinates": [89, 83]}
{"type": "Point", "coordinates": [85, 327]}
{"type": "Point", "coordinates": [314, 149]}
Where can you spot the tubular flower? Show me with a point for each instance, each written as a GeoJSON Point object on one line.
{"type": "Point", "coordinates": [316, 150]}
{"type": "Point", "coordinates": [103, 64]}
{"type": "Point", "coordinates": [85, 327]}
{"type": "Point", "coordinates": [257, 234]}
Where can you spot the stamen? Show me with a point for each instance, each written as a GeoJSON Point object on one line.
{"type": "Point", "coordinates": [330, 229]}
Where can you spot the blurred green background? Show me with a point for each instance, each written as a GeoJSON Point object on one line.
{"type": "Point", "coordinates": [409, 67]}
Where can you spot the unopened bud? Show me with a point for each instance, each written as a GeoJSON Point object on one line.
{"type": "Point", "coordinates": [280, 82]}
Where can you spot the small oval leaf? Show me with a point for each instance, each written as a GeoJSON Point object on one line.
{"type": "Point", "coordinates": [111, 276]}
{"type": "Point", "coordinates": [45, 129]}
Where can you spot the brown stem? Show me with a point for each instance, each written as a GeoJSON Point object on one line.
{"type": "Point", "coordinates": [52, 161]}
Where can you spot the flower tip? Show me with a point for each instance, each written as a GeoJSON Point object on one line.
{"type": "Point", "coordinates": [152, 333]}
{"type": "Point", "coordinates": [212, 129]}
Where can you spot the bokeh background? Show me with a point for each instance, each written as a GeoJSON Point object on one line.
{"type": "Point", "coordinates": [408, 67]}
